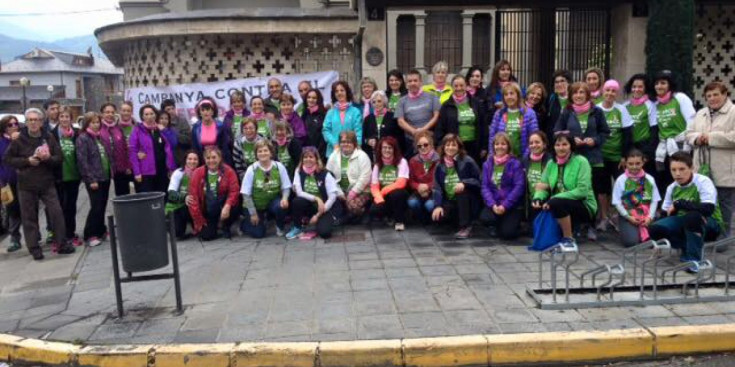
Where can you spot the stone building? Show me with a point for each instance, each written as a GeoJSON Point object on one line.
{"type": "Point", "coordinates": [184, 41]}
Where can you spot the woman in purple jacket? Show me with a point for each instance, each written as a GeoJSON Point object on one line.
{"type": "Point", "coordinates": [163, 123]}
{"type": "Point", "coordinates": [150, 153]}
{"type": "Point", "coordinates": [503, 186]}
{"type": "Point", "coordinates": [9, 127]}
{"type": "Point", "coordinates": [292, 118]}
{"type": "Point", "coordinates": [515, 120]}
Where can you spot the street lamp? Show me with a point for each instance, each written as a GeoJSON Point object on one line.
{"type": "Point", "coordinates": [23, 83]}
{"type": "Point", "coordinates": [50, 89]}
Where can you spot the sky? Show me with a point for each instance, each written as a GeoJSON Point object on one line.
{"type": "Point", "coordinates": [51, 20]}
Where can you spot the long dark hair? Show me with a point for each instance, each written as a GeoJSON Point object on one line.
{"type": "Point", "coordinates": [495, 76]}
{"type": "Point", "coordinates": [396, 73]}
{"type": "Point", "coordinates": [344, 85]}
{"type": "Point", "coordinates": [628, 88]}
{"type": "Point", "coordinates": [471, 71]}
{"type": "Point", "coordinates": [5, 123]}
{"type": "Point", "coordinates": [319, 101]}
{"type": "Point", "coordinates": [397, 155]}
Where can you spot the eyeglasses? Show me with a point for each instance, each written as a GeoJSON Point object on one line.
{"type": "Point", "coordinates": [345, 142]}
{"type": "Point", "coordinates": [13, 124]}
{"type": "Point", "coordinates": [425, 145]}
{"type": "Point", "coordinates": [33, 120]}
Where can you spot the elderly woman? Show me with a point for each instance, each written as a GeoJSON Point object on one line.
{"type": "Point", "coordinates": [67, 174]}
{"type": "Point", "coordinates": [150, 153]}
{"type": "Point", "coordinates": [713, 136]}
{"type": "Point", "coordinates": [8, 132]}
{"type": "Point", "coordinates": [379, 123]}
{"type": "Point", "coordinates": [289, 115]}
{"type": "Point", "coordinates": [421, 169]}
{"type": "Point", "coordinates": [439, 87]}
{"type": "Point", "coordinates": [95, 166]}
{"type": "Point", "coordinates": [35, 155]}
{"type": "Point", "coordinates": [342, 116]}
{"type": "Point", "coordinates": [368, 86]}
{"type": "Point", "coordinates": [115, 140]}
{"type": "Point", "coordinates": [244, 149]}
{"type": "Point", "coordinates": [214, 197]}
{"type": "Point", "coordinates": [351, 168]}
{"type": "Point", "coordinates": [233, 117]}
{"type": "Point", "coordinates": [208, 132]}
{"type": "Point", "coordinates": [464, 116]}
{"type": "Point", "coordinates": [288, 149]}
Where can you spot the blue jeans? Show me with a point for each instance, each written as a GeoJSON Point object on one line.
{"type": "Point", "coordinates": [686, 232]}
{"type": "Point", "coordinates": [273, 210]}
{"type": "Point", "coordinates": [421, 208]}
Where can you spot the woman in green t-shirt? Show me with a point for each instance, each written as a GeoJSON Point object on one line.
{"type": "Point", "coordinates": [565, 189]}
{"type": "Point", "coordinates": [243, 154]}
{"type": "Point", "coordinates": [287, 148]}
{"type": "Point", "coordinates": [464, 116]}
{"type": "Point", "coordinates": [396, 89]}
{"type": "Point", "coordinates": [534, 164]}
{"type": "Point", "coordinates": [67, 175]}
{"type": "Point", "coordinates": [178, 194]}
{"type": "Point", "coordinates": [594, 77]}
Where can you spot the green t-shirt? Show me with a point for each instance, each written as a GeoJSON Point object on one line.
{"type": "Point", "coordinates": [236, 125]}
{"type": "Point", "coordinates": [104, 158]}
{"type": "Point", "coordinates": [641, 124]}
{"type": "Point", "coordinates": [534, 175]}
{"type": "Point", "coordinates": [310, 186]}
{"type": "Point", "coordinates": [691, 193]}
{"type": "Point", "coordinates": [612, 149]}
{"type": "Point", "coordinates": [670, 120]}
{"type": "Point", "coordinates": [379, 124]}
{"type": "Point", "coordinates": [266, 186]}
{"type": "Point", "coordinates": [393, 101]}
{"type": "Point", "coordinates": [69, 171]}
{"type": "Point", "coordinates": [467, 122]}
{"type": "Point", "coordinates": [498, 170]}
{"type": "Point", "coordinates": [583, 119]}
{"type": "Point", "coordinates": [183, 191]}
{"type": "Point", "coordinates": [127, 130]}
{"type": "Point", "coordinates": [598, 101]}
{"type": "Point", "coordinates": [344, 182]}
{"type": "Point", "coordinates": [450, 182]}
{"type": "Point", "coordinates": [388, 175]}
{"type": "Point", "coordinates": [513, 130]}
{"type": "Point", "coordinates": [264, 129]}
{"type": "Point", "coordinates": [563, 102]}
{"type": "Point", "coordinates": [285, 158]}
{"type": "Point", "coordinates": [248, 153]}
{"type": "Point", "coordinates": [213, 181]}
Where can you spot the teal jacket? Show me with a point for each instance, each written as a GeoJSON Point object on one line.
{"type": "Point", "coordinates": [333, 126]}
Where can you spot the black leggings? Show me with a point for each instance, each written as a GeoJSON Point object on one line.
{"type": "Point", "coordinates": [395, 205]}
{"type": "Point", "coordinates": [122, 183]}
{"type": "Point", "coordinates": [95, 223]}
{"type": "Point", "coordinates": [562, 208]}
{"type": "Point", "coordinates": [153, 183]}
{"type": "Point", "coordinates": [461, 209]}
{"type": "Point", "coordinates": [181, 219]}
{"type": "Point", "coordinates": [68, 192]}
{"type": "Point", "coordinates": [507, 224]}
{"type": "Point", "coordinates": [302, 210]}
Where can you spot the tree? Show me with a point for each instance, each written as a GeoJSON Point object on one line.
{"type": "Point", "coordinates": [670, 40]}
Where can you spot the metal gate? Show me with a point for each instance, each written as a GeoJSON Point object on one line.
{"type": "Point", "coordinates": [538, 41]}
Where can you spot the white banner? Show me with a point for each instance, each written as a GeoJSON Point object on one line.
{"type": "Point", "coordinates": [186, 96]}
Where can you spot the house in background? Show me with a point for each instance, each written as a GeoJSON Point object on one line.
{"type": "Point", "coordinates": [81, 81]}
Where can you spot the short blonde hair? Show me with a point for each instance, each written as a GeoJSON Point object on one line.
{"type": "Point", "coordinates": [515, 88]}
{"type": "Point", "coordinates": [440, 65]}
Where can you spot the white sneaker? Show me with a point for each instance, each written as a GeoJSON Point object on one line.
{"type": "Point", "coordinates": [400, 227]}
{"type": "Point", "coordinates": [279, 232]}
{"type": "Point", "coordinates": [94, 242]}
{"type": "Point", "coordinates": [591, 234]}
{"type": "Point", "coordinates": [602, 225]}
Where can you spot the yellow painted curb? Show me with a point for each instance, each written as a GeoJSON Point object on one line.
{"type": "Point", "coordinates": [114, 356]}
{"type": "Point", "coordinates": [360, 353]}
{"type": "Point", "coordinates": [485, 350]}
{"type": "Point", "coordinates": [450, 351]}
{"type": "Point", "coordinates": [579, 346]}
{"type": "Point", "coordinates": [694, 339]}
{"type": "Point", "coordinates": [194, 355]}
{"type": "Point", "coordinates": [275, 354]}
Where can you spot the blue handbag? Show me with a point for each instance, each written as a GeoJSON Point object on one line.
{"type": "Point", "coordinates": [546, 231]}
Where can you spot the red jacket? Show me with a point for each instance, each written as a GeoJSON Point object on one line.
{"type": "Point", "coordinates": [228, 186]}
{"type": "Point", "coordinates": [417, 175]}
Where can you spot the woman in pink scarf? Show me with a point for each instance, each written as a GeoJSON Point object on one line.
{"type": "Point", "coordinates": [113, 137]}
{"type": "Point", "coordinates": [594, 77]}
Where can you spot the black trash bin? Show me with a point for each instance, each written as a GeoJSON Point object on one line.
{"type": "Point", "coordinates": [141, 231]}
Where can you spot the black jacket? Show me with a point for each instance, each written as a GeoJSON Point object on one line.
{"type": "Point", "coordinates": [314, 123]}
{"type": "Point", "coordinates": [597, 129]}
{"type": "Point", "coordinates": [448, 122]}
{"type": "Point", "coordinates": [33, 178]}
{"type": "Point", "coordinates": [388, 128]}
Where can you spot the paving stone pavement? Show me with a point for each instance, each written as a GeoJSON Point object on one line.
{"type": "Point", "coordinates": [368, 282]}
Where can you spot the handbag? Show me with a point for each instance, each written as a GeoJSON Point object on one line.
{"type": "Point", "coordinates": [6, 195]}
{"type": "Point", "coordinates": [705, 169]}
{"type": "Point", "coordinates": [546, 231]}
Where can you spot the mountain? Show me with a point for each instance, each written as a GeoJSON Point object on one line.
{"type": "Point", "coordinates": [11, 47]}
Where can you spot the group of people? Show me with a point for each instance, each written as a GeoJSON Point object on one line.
{"type": "Point", "coordinates": [454, 151]}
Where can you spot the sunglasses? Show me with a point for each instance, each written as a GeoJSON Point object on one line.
{"type": "Point", "coordinates": [13, 124]}
{"type": "Point", "coordinates": [425, 145]}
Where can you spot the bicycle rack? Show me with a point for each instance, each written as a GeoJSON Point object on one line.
{"type": "Point", "coordinates": [658, 248]}
{"type": "Point", "coordinates": [552, 252]}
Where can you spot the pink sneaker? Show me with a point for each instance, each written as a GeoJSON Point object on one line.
{"type": "Point", "coordinates": [54, 247]}
{"type": "Point", "coordinates": [307, 235]}
{"type": "Point", "coordinates": [94, 241]}
{"type": "Point", "coordinates": [76, 241]}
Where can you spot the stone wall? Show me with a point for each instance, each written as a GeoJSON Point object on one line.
{"type": "Point", "coordinates": [714, 48]}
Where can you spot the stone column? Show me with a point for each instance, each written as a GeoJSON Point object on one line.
{"type": "Point", "coordinates": [467, 16]}
{"type": "Point", "coordinates": [392, 26]}
{"type": "Point", "coordinates": [420, 40]}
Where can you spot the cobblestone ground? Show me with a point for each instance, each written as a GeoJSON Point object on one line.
{"type": "Point", "coordinates": [368, 282]}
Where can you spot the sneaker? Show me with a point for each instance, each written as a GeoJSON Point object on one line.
{"type": "Point", "coordinates": [591, 234]}
{"type": "Point", "coordinates": [568, 244]}
{"type": "Point", "coordinates": [279, 232]}
{"type": "Point", "coordinates": [463, 233]}
{"type": "Point", "coordinates": [50, 237]}
{"type": "Point", "coordinates": [54, 247]}
{"type": "Point", "coordinates": [294, 233]}
{"type": "Point", "coordinates": [37, 253]}
{"type": "Point", "coordinates": [602, 225]}
{"type": "Point", "coordinates": [308, 235]}
{"type": "Point", "coordinates": [76, 241]}
{"type": "Point", "coordinates": [13, 247]}
{"type": "Point", "coordinates": [66, 249]}
{"type": "Point", "coordinates": [399, 227]}
{"type": "Point", "coordinates": [94, 242]}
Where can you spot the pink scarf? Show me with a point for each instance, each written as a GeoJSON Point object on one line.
{"type": "Point", "coordinates": [529, 105]}
{"type": "Point", "coordinates": [459, 100]}
{"type": "Point", "coordinates": [416, 95]}
{"type": "Point", "coordinates": [448, 161]}
{"type": "Point", "coordinates": [126, 123]}
{"type": "Point", "coordinates": [238, 112]}
{"type": "Point", "coordinates": [188, 171]}
{"type": "Point", "coordinates": [342, 107]}
{"type": "Point", "coordinates": [281, 141]}
{"type": "Point", "coordinates": [472, 90]}
{"type": "Point", "coordinates": [94, 134]}
{"type": "Point", "coordinates": [665, 99]}
{"type": "Point", "coordinates": [287, 117]}
{"type": "Point", "coordinates": [637, 176]}
{"type": "Point", "coordinates": [562, 160]}
{"type": "Point", "coordinates": [67, 133]}
{"type": "Point", "coordinates": [499, 161]}
{"type": "Point", "coordinates": [440, 87]}
{"type": "Point", "coordinates": [536, 157]}
{"type": "Point", "coordinates": [381, 112]}
{"type": "Point", "coordinates": [639, 101]}
{"type": "Point", "coordinates": [257, 116]}
{"type": "Point", "coordinates": [365, 107]}
{"type": "Point", "coordinates": [595, 93]}
{"type": "Point", "coordinates": [428, 157]}
{"type": "Point", "coordinates": [313, 108]}
{"type": "Point", "coordinates": [309, 170]}
{"type": "Point", "coordinates": [580, 109]}
{"type": "Point", "coordinates": [150, 128]}
{"type": "Point", "coordinates": [387, 161]}
{"type": "Point", "coordinates": [109, 123]}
